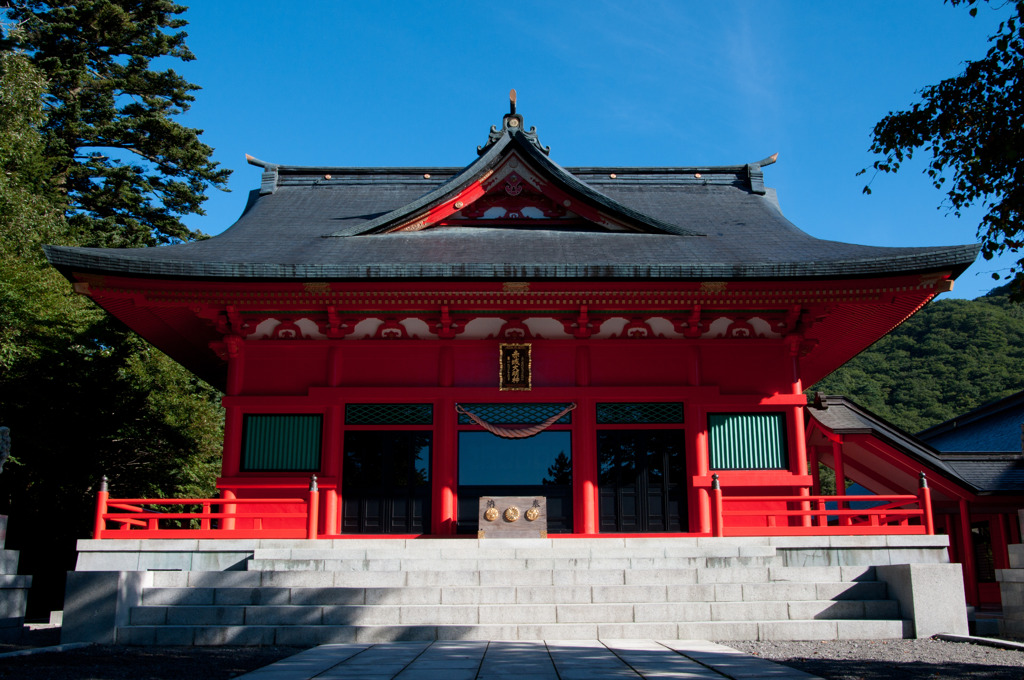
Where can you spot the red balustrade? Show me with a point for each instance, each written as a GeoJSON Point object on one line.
{"type": "Point", "coordinates": [216, 517]}
{"type": "Point", "coordinates": [892, 514]}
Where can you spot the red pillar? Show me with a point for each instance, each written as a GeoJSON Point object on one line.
{"type": "Point", "coordinates": [231, 459]}
{"type": "Point", "coordinates": [967, 555]}
{"type": "Point", "coordinates": [334, 359]}
{"type": "Point", "coordinates": [796, 420]}
{"type": "Point", "coordinates": [697, 432]}
{"type": "Point", "coordinates": [445, 473]}
{"type": "Point", "coordinates": [584, 470]}
{"type": "Point", "coordinates": [332, 467]}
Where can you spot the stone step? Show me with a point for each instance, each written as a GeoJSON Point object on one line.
{"type": "Point", "coordinates": [307, 635]}
{"type": "Point", "coordinates": [457, 549]}
{"type": "Point", "coordinates": [499, 577]}
{"type": "Point", "coordinates": [509, 563]}
{"type": "Point", "coordinates": [753, 592]}
{"type": "Point", "coordinates": [520, 614]}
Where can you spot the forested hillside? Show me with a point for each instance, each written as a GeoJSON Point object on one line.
{"type": "Point", "coordinates": [949, 358]}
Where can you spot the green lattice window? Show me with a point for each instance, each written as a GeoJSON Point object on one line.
{"type": "Point", "coordinates": [515, 414]}
{"type": "Point", "coordinates": [747, 441]}
{"type": "Point", "coordinates": [638, 413]}
{"type": "Point", "coordinates": [281, 442]}
{"type": "Point", "coordinates": [389, 414]}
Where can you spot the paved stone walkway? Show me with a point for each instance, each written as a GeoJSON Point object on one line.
{"type": "Point", "coordinates": [525, 660]}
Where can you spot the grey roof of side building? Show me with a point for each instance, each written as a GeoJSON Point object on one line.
{"type": "Point", "coordinates": [717, 223]}
{"type": "Point", "coordinates": [995, 426]}
{"type": "Point", "coordinates": [981, 472]}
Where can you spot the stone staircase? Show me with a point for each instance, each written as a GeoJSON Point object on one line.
{"type": "Point", "coordinates": [356, 590]}
{"type": "Point", "coordinates": [13, 589]}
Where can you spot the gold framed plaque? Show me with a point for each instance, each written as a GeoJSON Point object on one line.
{"type": "Point", "coordinates": [515, 367]}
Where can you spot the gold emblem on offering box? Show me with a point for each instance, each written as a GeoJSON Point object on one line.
{"type": "Point", "coordinates": [514, 367]}
{"type": "Point", "coordinates": [511, 514]}
{"type": "Point", "coordinates": [532, 514]}
{"type": "Point", "coordinates": [491, 513]}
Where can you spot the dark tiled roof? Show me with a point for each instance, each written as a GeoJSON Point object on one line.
{"type": "Point", "coordinates": [983, 473]}
{"type": "Point", "coordinates": [995, 426]}
{"type": "Point", "coordinates": [989, 472]}
{"type": "Point", "coordinates": [701, 223]}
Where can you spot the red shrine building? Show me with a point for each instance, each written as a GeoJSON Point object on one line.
{"type": "Point", "coordinates": [619, 341]}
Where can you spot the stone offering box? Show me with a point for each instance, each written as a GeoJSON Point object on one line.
{"type": "Point", "coordinates": [513, 517]}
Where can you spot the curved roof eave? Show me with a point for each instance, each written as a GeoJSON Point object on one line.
{"type": "Point", "coordinates": [134, 262]}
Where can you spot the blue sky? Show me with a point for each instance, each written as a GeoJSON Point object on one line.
{"type": "Point", "coordinates": [605, 83]}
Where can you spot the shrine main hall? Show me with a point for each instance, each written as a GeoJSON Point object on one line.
{"type": "Point", "coordinates": [623, 351]}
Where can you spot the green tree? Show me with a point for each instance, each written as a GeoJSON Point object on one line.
{"type": "Point", "coordinates": [128, 169]}
{"type": "Point", "coordinates": [972, 127]}
{"type": "Point", "coordinates": [949, 358]}
{"type": "Point", "coordinates": [31, 299]}
{"type": "Point", "coordinates": [82, 396]}
{"type": "Point", "coordinates": [559, 472]}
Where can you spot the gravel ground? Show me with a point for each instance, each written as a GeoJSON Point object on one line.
{"type": "Point", "coordinates": [885, 659]}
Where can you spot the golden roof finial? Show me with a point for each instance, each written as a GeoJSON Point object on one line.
{"type": "Point", "coordinates": [512, 101]}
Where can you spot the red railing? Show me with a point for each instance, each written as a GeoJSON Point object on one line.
{"type": "Point", "coordinates": [894, 514]}
{"type": "Point", "coordinates": [217, 517]}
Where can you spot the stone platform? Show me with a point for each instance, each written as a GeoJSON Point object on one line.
{"type": "Point", "coordinates": [364, 591]}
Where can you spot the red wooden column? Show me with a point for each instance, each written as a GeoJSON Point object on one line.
{"type": "Point", "coordinates": [332, 467]}
{"type": "Point", "coordinates": [584, 469]}
{"type": "Point", "coordinates": [231, 459]}
{"type": "Point", "coordinates": [445, 472]}
{"type": "Point", "coordinates": [697, 436]}
{"type": "Point", "coordinates": [796, 422]}
{"type": "Point", "coordinates": [967, 554]}
{"type": "Point", "coordinates": [585, 491]}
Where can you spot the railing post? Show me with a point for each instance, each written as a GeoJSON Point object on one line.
{"type": "Point", "coordinates": [716, 506]}
{"type": "Point", "coordinates": [204, 523]}
{"type": "Point", "coordinates": [228, 523]}
{"type": "Point", "coordinates": [925, 494]}
{"type": "Point", "coordinates": [101, 509]}
{"type": "Point", "coordinates": [313, 516]}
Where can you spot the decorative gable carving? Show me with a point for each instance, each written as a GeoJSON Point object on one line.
{"type": "Point", "coordinates": [513, 191]}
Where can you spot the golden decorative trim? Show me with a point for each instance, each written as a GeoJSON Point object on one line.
{"type": "Point", "coordinates": [511, 513]}
{"type": "Point", "coordinates": [516, 287]}
{"type": "Point", "coordinates": [713, 286]}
